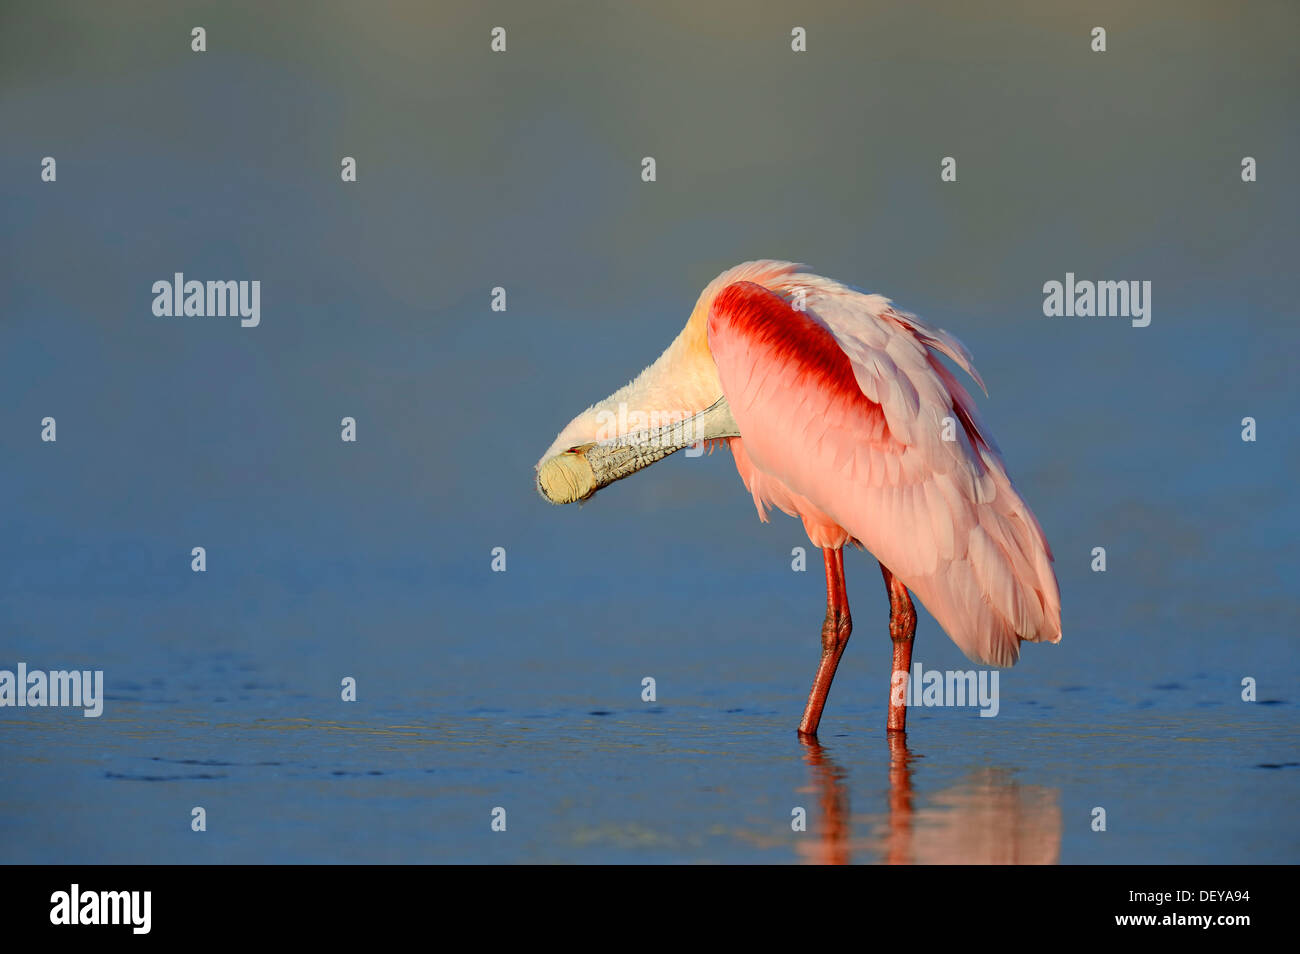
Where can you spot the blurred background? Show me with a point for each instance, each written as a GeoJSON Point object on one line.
{"type": "Point", "coordinates": [522, 169]}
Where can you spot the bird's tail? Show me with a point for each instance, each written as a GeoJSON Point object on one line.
{"type": "Point", "coordinates": [1003, 590]}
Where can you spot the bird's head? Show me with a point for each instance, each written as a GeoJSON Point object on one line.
{"type": "Point", "coordinates": [675, 403]}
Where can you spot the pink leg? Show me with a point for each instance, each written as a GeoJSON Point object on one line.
{"type": "Point", "coordinates": [835, 636]}
{"type": "Point", "coordinates": [902, 630]}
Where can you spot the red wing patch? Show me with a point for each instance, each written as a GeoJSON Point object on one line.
{"type": "Point", "coordinates": [778, 333]}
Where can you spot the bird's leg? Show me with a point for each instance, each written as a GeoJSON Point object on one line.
{"type": "Point", "coordinates": [902, 629]}
{"type": "Point", "coordinates": [835, 636]}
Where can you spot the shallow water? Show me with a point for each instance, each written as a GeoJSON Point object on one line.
{"type": "Point", "coordinates": [1184, 773]}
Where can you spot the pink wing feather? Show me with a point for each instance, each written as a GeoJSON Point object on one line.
{"type": "Point", "coordinates": [842, 407]}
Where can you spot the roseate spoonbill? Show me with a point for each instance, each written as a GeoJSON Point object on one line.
{"type": "Point", "coordinates": [838, 411]}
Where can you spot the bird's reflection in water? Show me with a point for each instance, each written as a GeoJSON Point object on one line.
{"type": "Point", "coordinates": [834, 826]}
{"type": "Point", "coordinates": [986, 819]}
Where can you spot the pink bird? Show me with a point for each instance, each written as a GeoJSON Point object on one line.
{"type": "Point", "coordinates": [838, 411]}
